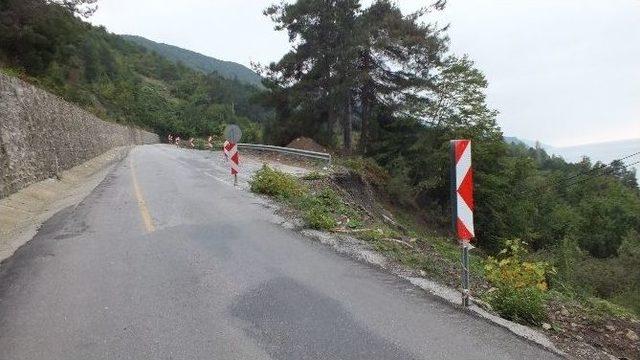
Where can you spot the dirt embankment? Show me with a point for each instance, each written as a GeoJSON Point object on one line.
{"type": "Point", "coordinates": [370, 232]}
{"type": "Point", "coordinates": [305, 143]}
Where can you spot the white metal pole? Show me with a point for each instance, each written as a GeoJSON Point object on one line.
{"type": "Point", "coordinates": [465, 273]}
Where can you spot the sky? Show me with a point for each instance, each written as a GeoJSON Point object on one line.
{"type": "Point", "coordinates": [564, 72]}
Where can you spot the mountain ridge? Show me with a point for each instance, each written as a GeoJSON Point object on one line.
{"type": "Point", "coordinates": [605, 151]}
{"type": "Point", "coordinates": [197, 61]}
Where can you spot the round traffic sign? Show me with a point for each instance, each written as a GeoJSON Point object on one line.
{"type": "Point", "coordinates": [233, 133]}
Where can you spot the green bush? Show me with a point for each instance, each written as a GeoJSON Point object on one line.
{"type": "Point", "coordinates": [523, 305]}
{"type": "Point", "coordinates": [512, 270]}
{"type": "Point", "coordinates": [319, 211]}
{"type": "Point", "coordinates": [616, 279]}
{"type": "Point", "coordinates": [319, 218]}
{"type": "Point", "coordinates": [12, 71]}
{"type": "Point", "coordinates": [329, 198]}
{"type": "Point", "coordinates": [371, 235]}
{"type": "Point", "coordinates": [354, 224]}
{"type": "Point", "coordinates": [272, 182]}
{"type": "Point", "coordinates": [314, 175]}
{"type": "Point", "coordinates": [520, 284]}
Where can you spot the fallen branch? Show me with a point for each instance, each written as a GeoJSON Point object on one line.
{"type": "Point", "coordinates": [401, 242]}
{"type": "Point", "coordinates": [345, 230]}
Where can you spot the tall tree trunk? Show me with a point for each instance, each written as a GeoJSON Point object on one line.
{"type": "Point", "coordinates": [366, 92]}
{"type": "Point", "coordinates": [346, 125]}
{"type": "Point", "coordinates": [331, 124]}
{"type": "Point", "coordinates": [365, 102]}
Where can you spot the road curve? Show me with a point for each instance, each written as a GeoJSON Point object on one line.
{"type": "Point", "coordinates": [167, 260]}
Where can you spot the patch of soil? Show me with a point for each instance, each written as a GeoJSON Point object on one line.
{"type": "Point", "coordinates": [586, 337]}
{"type": "Point", "coordinates": [305, 143]}
{"type": "Point", "coordinates": [365, 195]}
{"type": "Point", "coordinates": [358, 191]}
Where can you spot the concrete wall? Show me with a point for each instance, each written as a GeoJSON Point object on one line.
{"type": "Point", "coordinates": [41, 134]}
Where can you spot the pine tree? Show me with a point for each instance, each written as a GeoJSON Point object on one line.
{"type": "Point", "coordinates": [316, 71]}
{"type": "Point", "coordinates": [347, 61]}
{"type": "Point", "coordinates": [397, 61]}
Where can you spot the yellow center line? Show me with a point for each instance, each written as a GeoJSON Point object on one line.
{"type": "Point", "coordinates": [142, 205]}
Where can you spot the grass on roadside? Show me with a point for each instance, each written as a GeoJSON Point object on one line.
{"type": "Point", "coordinates": [514, 283]}
{"type": "Point", "coordinates": [322, 208]}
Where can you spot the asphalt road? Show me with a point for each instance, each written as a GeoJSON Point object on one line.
{"type": "Point", "coordinates": [167, 260]}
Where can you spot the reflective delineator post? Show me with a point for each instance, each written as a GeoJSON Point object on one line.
{"type": "Point", "coordinates": [462, 205]}
{"type": "Point", "coordinates": [234, 160]}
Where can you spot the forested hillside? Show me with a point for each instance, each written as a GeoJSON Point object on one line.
{"type": "Point", "coordinates": [377, 85]}
{"type": "Point", "coordinates": [44, 43]}
{"type": "Point", "coordinates": [196, 61]}
{"type": "Point", "coordinates": [386, 88]}
{"type": "Point", "coordinates": [604, 152]}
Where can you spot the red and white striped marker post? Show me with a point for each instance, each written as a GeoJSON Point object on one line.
{"type": "Point", "coordinates": [225, 149]}
{"type": "Point", "coordinates": [234, 157]}
{"type": "Point", "coordinates": [233, 134]}
{"type": "Point", "coordinates": [462, 205]}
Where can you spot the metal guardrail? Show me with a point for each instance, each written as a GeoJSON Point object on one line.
{"type": "Point", "coordinates": [286, 150]}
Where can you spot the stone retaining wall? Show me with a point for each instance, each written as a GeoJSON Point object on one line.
{"type": "Point", "coordinates": [42, 134]}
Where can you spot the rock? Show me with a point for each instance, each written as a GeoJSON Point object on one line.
{"type": "Point", "coordinates": [483, 304]}
{"type": "Point", "coordinates": [631, 335]}
{"type": "Point", "coordinates": [610, 328]}
{"type": "Point", "coordinates": [564, 312]}
{"type": "Point", "coordinates": [546, 326]}
{"type": "Point", "coordinates": [573, 325]}
{"type": "Point", "coordinates": [423, 273]}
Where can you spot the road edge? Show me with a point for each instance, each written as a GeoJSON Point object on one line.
{"type": "Point", "coordinates": [360, 251]}
{"type": "Point", "coordinates": [23, 213]}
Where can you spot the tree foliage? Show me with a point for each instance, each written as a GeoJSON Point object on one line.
{"type": "Point", "coordinates": [116, 79]}
{"type": "Point", "coordinates": [389, 79]}
{"type": "Point", "coordinates": [349, 63]}
{"type": "Point", "coordinates": [83, 8]}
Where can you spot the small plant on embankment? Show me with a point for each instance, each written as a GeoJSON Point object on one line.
{"type": "Point", "coordinates": [319, 209]}
{"type": "Point", "coordinates": [314, 175]}
{"type": "Point", "coordinates": [513, 284]}
{"type": "Point", "coordinates": [275, 183]}
{"type": "Point", "coordinates": [520, 285]}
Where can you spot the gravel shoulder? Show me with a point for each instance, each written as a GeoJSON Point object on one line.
{"type": "Point", "coordinates": [22, 213]}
